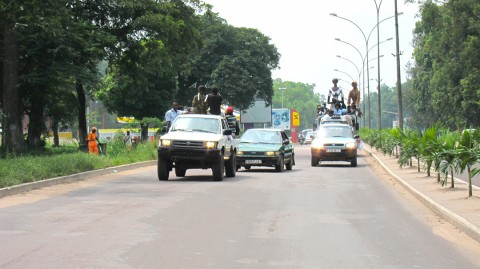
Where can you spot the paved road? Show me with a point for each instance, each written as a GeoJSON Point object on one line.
{"type": "Point", "coordinates": [332, 216]}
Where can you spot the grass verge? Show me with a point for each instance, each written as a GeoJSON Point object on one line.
{"type": "Point", "coordinates": [68, 160]}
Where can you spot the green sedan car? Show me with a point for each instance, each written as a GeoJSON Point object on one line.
{"type": "Point", "coordinates": [265, 147]}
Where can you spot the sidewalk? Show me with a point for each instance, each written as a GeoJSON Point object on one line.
{"type": "Point", "coordinates": [452, 205]}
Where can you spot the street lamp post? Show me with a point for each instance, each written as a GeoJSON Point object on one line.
{"type": "Point", "coordinates": [378, 5]}
{"type": "Point", "coordinates": [344, 73]}
{"type": "Point", "coordinates": [363, 70]}
{"type": "Point", "coordinates": [399, 83]}
{"type": "Point", "coordinates": [283, 89]}
{"type": "Point", "coordinates": [365, 60]}
{"type": "Point", "coordinates": [358, 70]}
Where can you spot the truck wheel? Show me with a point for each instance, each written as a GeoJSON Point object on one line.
{"type": "Point", "coordinates": [180, 171]}
{"type": "Point", "coordinates": [314, 161]}
{"type": "Point", "coordinates": [279, 167]}
{"type": "Point", "coordinates": [162, 169]}
{"type": "Point", "coordinates": [218, 169]}
{"type": "Point", "coordinates": [231, 166]}
{"type": "Point", "coordinates": [353, 162]}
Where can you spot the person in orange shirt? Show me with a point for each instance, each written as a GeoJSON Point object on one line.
{"type": "Point", "coordinates": [92, 141]}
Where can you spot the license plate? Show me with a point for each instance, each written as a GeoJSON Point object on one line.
{"type": "Point", "coordinates": [334, 150]}
{"type": "Point", "coordinates": [253, 161]}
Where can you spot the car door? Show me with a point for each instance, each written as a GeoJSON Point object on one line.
{"type": "Point", "coordinates": [287, 147]}
{"type": "Point", "coordinates": [228, 140]}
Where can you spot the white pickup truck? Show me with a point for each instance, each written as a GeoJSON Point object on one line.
{"type": "Point", "coordinates": [196, 141]}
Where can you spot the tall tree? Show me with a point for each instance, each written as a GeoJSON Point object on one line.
{"type": "Point", "coordinates": [446, 73]}
{"type": "Point", "coordinates": [155, 38]}
{"type": "Point", "coordinates": [12, 136]}
{"type": "Point", "coordinates": [237, 60]}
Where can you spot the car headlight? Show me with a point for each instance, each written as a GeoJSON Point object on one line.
{"type": "Point", "coordinates": [239, 153]}
{"type": "Point", "coordinates": [210, 145]}
{"type": "Point", "coordinates": [317, 144]}
{"type": "Point", "coordinates": [350, 145]}
{"type": "Point", "coordinates": [166, 142]}
{"type": "Point", "coordinates": [271, 153]}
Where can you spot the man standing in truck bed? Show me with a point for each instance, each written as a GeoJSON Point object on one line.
{"type": "Point", "coordinates": [199, 102]}
{"type": "Point", "coordinates": [232, 120]}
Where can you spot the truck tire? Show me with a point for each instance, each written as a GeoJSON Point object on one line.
{"type": "Point", "coordinates": [353, 162]}
{"type": "Point", "coordinates": [218, 169]}
{"type": "Point", "coordinates": [180, 171]}
{"type": "Point", "coordinates": [162, 169]}
{"type": "Point", "coordinates": [231, 166]}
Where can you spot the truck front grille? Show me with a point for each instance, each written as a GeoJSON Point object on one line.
{"type": "Point", "coordinates": [188, 144]}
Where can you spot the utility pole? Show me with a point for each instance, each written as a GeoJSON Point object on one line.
{"type": "Point", "coordinates": [399, 79]}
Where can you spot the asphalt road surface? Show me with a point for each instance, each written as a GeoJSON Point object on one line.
{"type": "Point", "coordinates": [330, 216]}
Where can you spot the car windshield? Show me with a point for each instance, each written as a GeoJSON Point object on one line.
{"type": "Point", "coordinates": [261, 136]}
{"type": "Point", "coordinates": [334, 131]}
{"type": "Point", "coordinates": [204, 125]}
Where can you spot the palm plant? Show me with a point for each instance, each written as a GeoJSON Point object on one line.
{"type": "Point", "coordinates": [446, 160]}
{"type": "Point", "coordinates": [468, 152]}
{"type": "Point", "coordinates": [386, 142]}
{"type": "Point", "coordinates": [429, 145]}
{"type": "Point", "coordinates": [410, 145]}
{"type": "Point", "coordinates": [396, 135]}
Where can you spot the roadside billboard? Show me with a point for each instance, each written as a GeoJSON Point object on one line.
{"type": "Point", "coordinates": [281, 118]}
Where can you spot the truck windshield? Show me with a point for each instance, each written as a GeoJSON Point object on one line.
{"type": "Point", "coordinates": [204, 125]}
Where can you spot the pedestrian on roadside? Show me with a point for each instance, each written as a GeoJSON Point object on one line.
{"type": "Point", "coordinates": [199, 102]}
{"type": "Point", "coordinates": [127, 139]}
{"type": "Point", "coordinates": [215, 102]}
{"type": "Point", "coordinates": [92, 141]}
{"type": "Point", "coordinates": [360, 143]}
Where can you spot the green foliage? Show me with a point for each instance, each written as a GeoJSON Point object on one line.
{"type": "Point", "coordinates": [237, 60]}
{"type": "Point", "coordinates": [298, 96]}
{"type": "Point", "coordinates": [446, 73]}
{"type": "Point", "coordinates": [446, 158]}
{"type": "Point", "coordinates": [142, 76]}
{"type": "Point", "coordinates": [410, 147]}
{"type": "Point", "coordinates": [429, 146]}
{"type": "Point", "coordinates": [447, 152]}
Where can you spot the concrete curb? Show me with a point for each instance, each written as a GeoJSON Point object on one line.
{"type": "Point", "coordinates": [455, 219]}
{"type": "Point", "coordinates": [70, 178]}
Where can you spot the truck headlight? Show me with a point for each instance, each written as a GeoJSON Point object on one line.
{"type": "Point", "coordinates": [166, 142]}
{"type": "Point", "coordinates": [350, 145]}
{"type": "Point", "coordinates": [210, 145]}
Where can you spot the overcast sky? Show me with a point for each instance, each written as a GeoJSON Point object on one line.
{"type": "Point", "coordinates": [304, 31]}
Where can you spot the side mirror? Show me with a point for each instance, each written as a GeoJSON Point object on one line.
{"type": "Point", "coordinates": [227, 132]}
{"type": "Point", "coordinates": [164, 129]}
